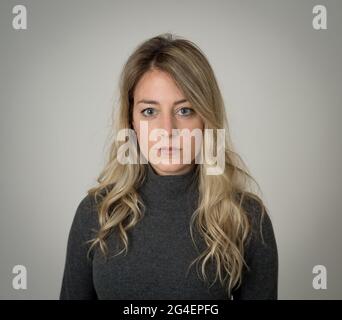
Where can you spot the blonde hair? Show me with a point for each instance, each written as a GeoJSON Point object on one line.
{"type": "Point", "coordinates": [220, 216]}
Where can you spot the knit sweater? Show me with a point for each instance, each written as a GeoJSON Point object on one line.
{"type": "Point", "coordinates": [160, 250]}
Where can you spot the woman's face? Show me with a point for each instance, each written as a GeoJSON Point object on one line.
{"type": "Point", "coordinates": [159, 102]}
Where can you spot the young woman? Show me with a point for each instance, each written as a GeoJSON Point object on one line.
{"type": "Point", "coordinates": [168, 230]}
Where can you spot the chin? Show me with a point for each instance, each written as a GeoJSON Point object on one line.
{"type": "Point", "coordinates": [171, 169]}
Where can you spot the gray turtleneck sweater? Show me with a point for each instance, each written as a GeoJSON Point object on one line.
{"type": "Point", "coordinates": [160, 250]}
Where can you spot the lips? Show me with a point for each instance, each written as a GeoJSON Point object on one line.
{"type": "Point", "coordinates": [169, 150]}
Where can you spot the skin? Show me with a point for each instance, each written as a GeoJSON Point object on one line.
{"type": "Point", "coordinates": [159, 86]}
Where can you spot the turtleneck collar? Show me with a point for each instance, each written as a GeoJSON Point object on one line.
{"type": "Point", "coordinates": [169, 187]}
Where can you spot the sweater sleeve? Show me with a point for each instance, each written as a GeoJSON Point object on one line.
{"type": "Point", "coordinates": [260, 282]}
{"type": "Point", "coordinates": [77, 282]}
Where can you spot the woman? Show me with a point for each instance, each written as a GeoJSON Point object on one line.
{"type": "Point", "coordinates": [139, 233]}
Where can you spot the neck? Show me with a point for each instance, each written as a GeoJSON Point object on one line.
{"type": "Point", "coordinates": [161, 188]}
{"type": "Point", "coordinates": [183, 171]}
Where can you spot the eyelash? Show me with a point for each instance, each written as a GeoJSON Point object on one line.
{"type": "Point", "coordinates": [186, 115]}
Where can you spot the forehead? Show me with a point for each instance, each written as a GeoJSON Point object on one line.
{"type": "Point", "coordinates": [157, 85]}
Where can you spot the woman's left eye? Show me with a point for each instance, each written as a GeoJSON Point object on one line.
{"type": "Point", "coordinates": [186, 111]}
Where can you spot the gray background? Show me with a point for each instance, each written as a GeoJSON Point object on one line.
{"type": "Point", "coordinates": [281, 81]}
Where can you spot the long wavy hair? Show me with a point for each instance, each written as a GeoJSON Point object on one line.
{"type": "Point", "coordinates": [220, 217]}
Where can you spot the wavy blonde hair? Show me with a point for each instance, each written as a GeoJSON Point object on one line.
{"type": "Point", "coordinates": [220, 216]}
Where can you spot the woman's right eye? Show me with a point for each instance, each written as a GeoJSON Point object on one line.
{"type": "Point", "coordinates": [148, 112]}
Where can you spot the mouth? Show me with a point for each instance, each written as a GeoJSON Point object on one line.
{"type": "Point", "coordinates": [169, 150]}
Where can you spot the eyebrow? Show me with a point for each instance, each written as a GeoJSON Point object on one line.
{"type": "Point", "coordinates": [156, 102]}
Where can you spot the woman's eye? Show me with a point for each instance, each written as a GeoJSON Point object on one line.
{"type": "Point", "coordinates": [186, 111]}
{"type": "Point", "coordinates": [148, 112]}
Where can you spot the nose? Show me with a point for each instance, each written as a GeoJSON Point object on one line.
{"type": "Point", "coordinates": [168, 123]}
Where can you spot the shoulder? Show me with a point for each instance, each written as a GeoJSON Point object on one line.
{"type": "Point", "coordinates": [260, 274]}
{"type": "Point", "coordinates": [260, 221]}
{"type": "Point", "coordinates": [85, 219]}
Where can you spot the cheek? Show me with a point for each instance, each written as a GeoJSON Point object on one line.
{"type": "Point", "coordinates": [151, 142]}
{"type": "Point", "coordinates": [194, 122]}
{"type": "Point", "coordinates": [199, 123]}
{"type": "Point", "coordinates": [136, 124]}
{"type": "Point", "coordinates": [144, 137]}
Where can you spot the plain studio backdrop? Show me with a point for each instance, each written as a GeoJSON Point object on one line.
{"type": "Point", "coordinates": [281, 82]}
